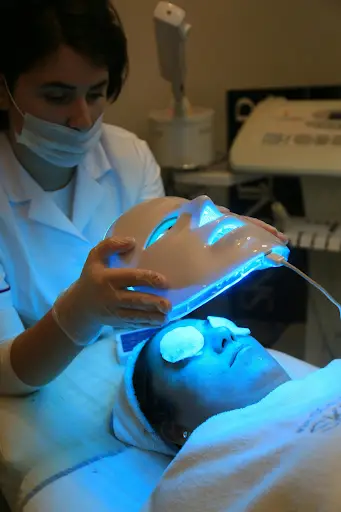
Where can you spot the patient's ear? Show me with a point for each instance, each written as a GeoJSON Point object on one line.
{"type": "Point", "coordinates": [5, 102]}
{"type": "Point", "coordinates": [174, 433]}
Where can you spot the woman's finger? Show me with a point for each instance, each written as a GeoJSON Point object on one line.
{"type": "Point", "coordinates": [267, 227]}
{"type": "Point", "coordinates": [124, 278]}
{"type": "Point", "coordinates": [141, 301]}
{"type": "Point", "coordinates": [111, 246]}
{"type": "Point", "coordinates": [224, 210]}
{"type": "Point", "coordinates": [137, 319]}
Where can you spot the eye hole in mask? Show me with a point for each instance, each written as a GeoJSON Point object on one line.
{"type": "Point", "coordinates": [181, 343]}
{"type": "Point", "coordinates": [161, 230]}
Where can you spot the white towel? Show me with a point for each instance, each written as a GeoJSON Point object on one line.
{"type": "Point", "coordinates": [120, 483]}
{"type": "Point", "coordinates": [129, 423]}
{"type": "Point", "coordinates": [280, 455]}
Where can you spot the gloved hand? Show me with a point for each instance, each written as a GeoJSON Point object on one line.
{"type": "Point", "coordinates": [100, 297]}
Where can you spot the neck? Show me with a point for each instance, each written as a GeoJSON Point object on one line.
{"type": "Point", "coordinates": [50, 177]}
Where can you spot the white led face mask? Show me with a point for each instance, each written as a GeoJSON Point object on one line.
{"type": "Point", "coordinates": [59, 145]}
{"type": "Point", "coordinates": [201, 251]}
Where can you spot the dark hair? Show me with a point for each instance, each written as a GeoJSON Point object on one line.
{"type": "Point", "coordinates": [154, 407]}
{"type": "Point", "coordinates": [31, 30]}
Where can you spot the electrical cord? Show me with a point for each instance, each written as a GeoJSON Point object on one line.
{"type": "Point", "coordinates": [324, 337]}
{"type": "Point", "coordinates": [280, 260]}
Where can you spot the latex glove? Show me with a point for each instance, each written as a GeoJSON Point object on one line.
{"type": "Point", "coordinates": [100, 297]}
{"type": "Point", "coordinates": [258, 222]}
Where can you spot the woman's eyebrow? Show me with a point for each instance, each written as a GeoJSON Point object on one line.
{"type": "Point", "coordinates": [70, 87]}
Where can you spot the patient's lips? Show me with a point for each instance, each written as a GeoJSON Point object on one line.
{"type": "Point", "coordinates": [230, 348]}
{"type": "Point", "coordinates": [234, 349]}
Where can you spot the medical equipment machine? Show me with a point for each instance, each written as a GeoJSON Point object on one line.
{"type": "Point", "coordinates": [199, 249]}
{"type": "Point", "coordinates": [303, 138]}
{"type": "Point", "coordinates": [290, 137]}
{"type": "Point", "coordinates": [181, 136]}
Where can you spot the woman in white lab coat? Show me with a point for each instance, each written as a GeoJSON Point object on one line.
{"type": "Point", "coordinates": [64, 178]}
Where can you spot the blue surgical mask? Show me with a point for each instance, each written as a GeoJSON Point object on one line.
{"type": "Point", "coordinates": [60, 145]}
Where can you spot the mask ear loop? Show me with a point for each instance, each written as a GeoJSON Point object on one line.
{"type": "Point", "coordinates": [11, 97]}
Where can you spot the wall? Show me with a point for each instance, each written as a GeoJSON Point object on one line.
{"type": "Point", "coordinates": [234, 43]}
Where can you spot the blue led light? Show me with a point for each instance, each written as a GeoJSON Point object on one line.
{"type": "Point", "coordinates": [218, 287]}
{"type": "Point", "coordinates": [221, 231]}
{"type": "Point", "coordinates": [213, 290]}
{"type": "Point", "coordinates": [161, 230]}
{"type": "Point", "coordinates": [209, 215]}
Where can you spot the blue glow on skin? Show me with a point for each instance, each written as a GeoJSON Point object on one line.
{"type": "Point", "coordinates": [187, 341]}
{"type": "Point", "coordinates": [230, 373]}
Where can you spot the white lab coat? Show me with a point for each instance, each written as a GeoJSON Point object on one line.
{"type": "Point", "coordinates": [41, 251]}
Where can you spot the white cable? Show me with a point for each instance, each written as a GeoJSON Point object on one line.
{"type": "Point", "coordinates": [279, 260]}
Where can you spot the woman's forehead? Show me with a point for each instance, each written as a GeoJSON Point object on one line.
{"type": "Point", "coordinates": [66, 65]}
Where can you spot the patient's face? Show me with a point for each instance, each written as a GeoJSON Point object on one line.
{"type": "Point", "coordinates": [226, 375]}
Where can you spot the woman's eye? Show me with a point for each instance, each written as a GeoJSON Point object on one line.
{"type": "Point", "coordinates": [63, 98]}
{"type": "Point", "coordinates": [94, 97]}
{"type": "Point", "coordinates": [51, 98]}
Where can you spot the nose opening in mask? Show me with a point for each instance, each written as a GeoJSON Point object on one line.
{"type": "Point", "coordinates": [209, 213]}
{"type": "Point", "coordinates": [202, 211]}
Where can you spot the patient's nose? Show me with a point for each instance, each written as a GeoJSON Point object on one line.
{"type": "Point", "coordinates": [219, 339]}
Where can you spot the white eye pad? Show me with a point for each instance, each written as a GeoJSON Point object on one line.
{"type": "Point", "coordinates": [181, 343]}
{"type": "Point", "coordinates": [216, 321]}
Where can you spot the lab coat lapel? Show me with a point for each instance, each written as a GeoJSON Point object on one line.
{"type": "Point", "coordinates": [21, 189]}
{"type": "Point", "coordinates": [89, 192]}
{"type": "Point", "coordinates": [43, 210]}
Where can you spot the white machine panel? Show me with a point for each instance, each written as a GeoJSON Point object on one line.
{"type": "Point", "coordinates": [304, 234]}
{"type": "Point", "coordinates": [294, 137]}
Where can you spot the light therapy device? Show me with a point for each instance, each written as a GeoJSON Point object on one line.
{"type": "Point", "coordinates": [201, 250]}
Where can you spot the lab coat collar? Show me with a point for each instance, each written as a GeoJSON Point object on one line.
{"type": "Point", "coordinates": [21, 188]}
